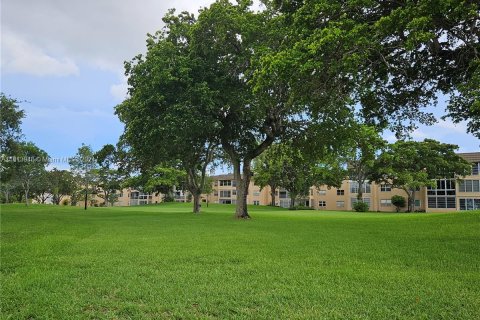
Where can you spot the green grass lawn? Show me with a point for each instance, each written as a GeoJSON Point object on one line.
{"type": "Point", "coordinates": [163, 262]}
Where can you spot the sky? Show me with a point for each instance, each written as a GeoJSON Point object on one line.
{"type": "Point", "coordinates": [64, 60]}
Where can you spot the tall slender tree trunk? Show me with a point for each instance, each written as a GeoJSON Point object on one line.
{"type": "Point", "coordinates": [26, 197]}
{"type": "Point", "coordinates": [242, 177]}
{"type": "Point", "coordinates": [273, 189]}
{"type": "Point", "coordinates": [293, 196]}
{"type": "Point", "coordinates": [360, 191]}
{"type": "Point", "coordinates": [196, 202]}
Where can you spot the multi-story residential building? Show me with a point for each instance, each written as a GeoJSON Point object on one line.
{"type": "Point", "coordinates": [448, 195]}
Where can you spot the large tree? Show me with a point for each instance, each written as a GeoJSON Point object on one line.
{"type": "Point", "coordinates": [10, 120]}
{"type": "Point", "coordinates": [393, 57]}
{"type": "Point", "coordinates": [169, 116]}
{"type": "Point", "coordinates": [411, 165]}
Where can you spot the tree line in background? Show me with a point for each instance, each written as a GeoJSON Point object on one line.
{"type": "Point", "coordinates": [363, 158]}
{"type": "Point", "coordinates": [300, 88]}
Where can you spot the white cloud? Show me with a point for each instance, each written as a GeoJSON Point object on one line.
{"type": "Point", "coordinates": [120, 90]}
{"type": "Point", "coordinates": [19, 56]}
{"type": "Point", "coordinates": [102, 33]}
{"type": "Point", "coordinates": [452, 127]}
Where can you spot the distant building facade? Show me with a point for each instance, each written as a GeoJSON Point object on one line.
{"type": "Point", "coordinates": [448, 195]}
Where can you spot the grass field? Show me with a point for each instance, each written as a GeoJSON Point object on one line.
{"type": "Point", "coordinates": [163, 262]}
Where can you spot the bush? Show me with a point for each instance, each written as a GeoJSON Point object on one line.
{"type": "Point", "coordinates": [399, 202]}
{"type": "Point", "coordinates": [168, 198]}
{"type": "Point", "coordinates": [301, 207]}
{"type": "Point", "coordinates": [65, 202]}
{"type": "Point", "coordinates": [360, 206]}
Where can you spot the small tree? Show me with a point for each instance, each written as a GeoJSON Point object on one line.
{"type": "Point", "coordinates": [109, 177]}
{"type": "Point", "coordinates": [268, 172]}
{"type": "Point", "coordinates": [83, 166]}
{"type": "Point", "coordinates": [62, 183]}
{"type": "Point", "coordinates": [28, 164]}
{"type": "Point", "coordinates": [398, 202]}
{"type": "Point", "coordinates": [411, 165]}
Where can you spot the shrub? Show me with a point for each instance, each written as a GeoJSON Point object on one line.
{"type": "Point", "coordinates": [301, 207]}
{"type": "Point", "coordinates": [399, 202]}
{"type": "Point", "coordinates": [360, 206]}
{"type": "Point", "coordinates": [65, 202]}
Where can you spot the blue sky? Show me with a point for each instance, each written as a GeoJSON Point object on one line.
{"type": "Point", "coordinates": [65, 58]}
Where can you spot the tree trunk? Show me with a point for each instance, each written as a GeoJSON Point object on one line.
{"type": "Point", "coordinates": [26, 197]}
{"type": "Point", "coordinates": [243, 180]}
{"type": "Point", "coordinates": [196, 202]}
{"type": "Point", "coordinates": [413, 200]}
{"type": "Point", "coordinates": [360, 191]}
{"type": "Point", "coordinates": [292, 200]}
{"type": "Point", "coordinates": [273, 189]}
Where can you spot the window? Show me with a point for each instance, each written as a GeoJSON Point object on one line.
{"type": "Point", "coordinates": [225, 193]}
{"type": "Point", "coordinates": [322, 192]}
{"type": "Point", "coordinates": [322, 204]}
{"type": "Point", "coordinates": [443, 196]}
{"type": "Point", "coordinates": [385, 188]}
{"type": "Point", "coordinates": [385, 203]}
{"type": "Point", "coordinates": [256, 193]}
{"type": "Point", "coordinates": [283, 195]}
{"type": "Point", "coordinates": [234, 192]}
{"type": "Point", "coordinates": [225, 183]}
{"type": "Point", "coordinates": [469, 186]}
{"type": "Point", "coordinates": [476, 169]}
{"type": "Point", "coordinates": [340, 192]}
{"type": "Point", "coordinates": [418, 203]}
{"type": "Point", "coordinates": [225, 201]}
{"type": "Point", "coordinates": [469, 204]}
{"type": "Point", "coordinates": [256, 203]}
{"type": "Point", "coordinates": [354, 187]}
{"type": "Point", "coordinates": [215, 193]}
{"type": "Point", "coordinates": [340, 204]}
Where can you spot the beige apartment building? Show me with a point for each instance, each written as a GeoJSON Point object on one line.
{"type": "Point", "coordinates": [448, 195]}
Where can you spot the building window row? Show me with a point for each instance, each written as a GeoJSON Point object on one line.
{"type": "Point", "coordinates": [385, 188]}
{"type": "Point", "coordinates": [469, 204]}
{"type": "Point", "coordinates": [225, 194]}
{"type": "Point", "coordinates": [354, 187]}
{"type": "Point", "coordinates": [355, 200]}
{"type": "Point", "coordinates": [476, 169]}
{"type": "Point", "coordinates": [469, 186]}
{"type": "Point", "coordinates": [385, 202]}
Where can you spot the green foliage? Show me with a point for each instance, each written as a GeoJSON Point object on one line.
{"type": "Point", "coordinates": [409, 165]}
{"type": "Point", "coordinates": [109, 177]}
{"type": "Point", "coordinates": [362, 150]}
{"type": "Point", "coordinates": [27, 167]}
{"type": "Point", "coordinates": [10, 120]}
{"type": "Point", "coordinates": [391, 58]}
{"type": "Point", "coordinates": [399, 202]}
{"type": "Point", "coordinates": [132, 262]}
{"type": "Point", "coordinates": [62, 183]}
{"type": "Point", "coordinates": [360, 206]}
